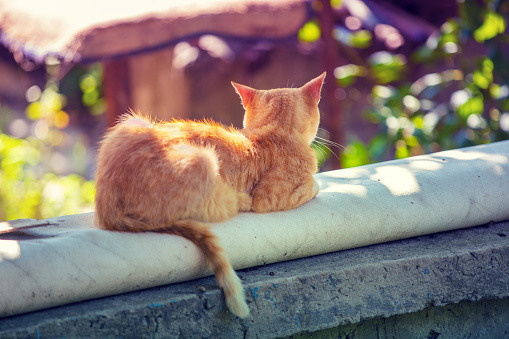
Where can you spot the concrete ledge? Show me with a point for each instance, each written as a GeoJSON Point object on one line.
{"type": "Point", "coordinates": [333, 293]}
{"type": "Point", "coordinates": [66, 259]}
{"type": "Point", "coordinates": [483, 319]}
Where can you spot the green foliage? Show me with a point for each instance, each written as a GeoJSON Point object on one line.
{"type": "Point", "coordinates": [493, 25]}
{"type": "Point", "coordinates": [29, 188]}
{"type": "Point", "coordinates": [357, 39]}
{"type": "Point", "coordinates": [91, 87]}
{"type": "Point", "coordinates": [29, 192]}
{"type": "Point", "coordinates": [310, 32]}
{"type": "Point", "coordinates": [361, 39]}
{"type": "Point", "coordinates": [355, 155]}
{"type": "Point", "coordinates": [345, 75]}
{"type": "Point", "coordinates": [467, 103]}
{"type": "Point", "coordinates": [386, 67]}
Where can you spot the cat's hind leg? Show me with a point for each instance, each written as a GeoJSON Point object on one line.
{"type": "Point", "coordinates": [224, 202]}
{"type": "Point", "coordinates": [245, 201]}
{"type": "Point", "coordinates": [283, 190]}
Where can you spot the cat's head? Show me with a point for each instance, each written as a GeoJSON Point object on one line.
{"type": "Point", "coordinates": [285, 108]}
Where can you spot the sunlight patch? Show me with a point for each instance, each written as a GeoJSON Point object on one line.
{"type": "Point", "coordinates": [399, 181]}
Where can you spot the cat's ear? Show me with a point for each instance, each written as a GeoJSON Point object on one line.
{"type": "Point", "coordinates": [246, 93]}
{"type": "Point", "coordinates": [314, 87]}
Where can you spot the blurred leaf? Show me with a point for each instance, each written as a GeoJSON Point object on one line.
{"type": "Point", "coordinates": [357, 39]}
{"type": "Point", "coordinates": [378, 147]}
{"type": "Point", "coordinates": [401, 150]}
{"type": "Point", "coordinates": [499, 92]}
{"type": "Point", "coordinates": [33, 111]}
{"type": "Point", "coordinates": [88, 83]}
{"type": "Point", "coordinates": [483, 77]}
{"type": "Point", "coordinates": [386, 67]}
{"type": "Point", "coordinates": [354, 155]}
{"type": "Point", "coordinates": [346, 74]}
{"type": "Point", "coordinates": [418, 121]}
{"type": "Point", "coordinates": [411, 141]}
{"type": "Point", "coordinates": [336, 3]}
{"type": "Point", "coordinates": [90, 98]}
{"type": "Point", "coordinates": [310, 32]}
{"type": "Point", "coordinates": [361, 39]}
{"type": "Point", "coordinates": [481, 80]}
{"type": "Point", "coordinates": [474, 105]}
{"type": "Point", "coordinates": [493, 25]}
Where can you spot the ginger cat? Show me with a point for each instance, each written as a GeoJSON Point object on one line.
{"type": "Point", "coordinates": [171, 177]}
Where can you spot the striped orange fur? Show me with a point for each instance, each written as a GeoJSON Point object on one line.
{"type": "Point", "coordinates": [174, 177]}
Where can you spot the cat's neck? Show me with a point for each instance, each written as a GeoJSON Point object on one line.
{"type": "Point", "coordinates": [275, 134]}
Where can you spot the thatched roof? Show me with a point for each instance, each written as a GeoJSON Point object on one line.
{"type": "Point", "coordinates": [84, 31]}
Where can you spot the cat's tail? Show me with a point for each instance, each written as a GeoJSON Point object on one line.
{"type": "Point", "coordinates": [201, 235]}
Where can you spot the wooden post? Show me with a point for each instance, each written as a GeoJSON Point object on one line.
{"type": "Point", "coordinates": [117, 91]}
{"type": "Point", "coordinates": [332, 116]}
{"type": "Point", "coordinates": [148, 83]}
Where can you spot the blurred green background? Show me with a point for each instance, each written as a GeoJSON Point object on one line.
{"type": "Point", "coordinates": [458, 97]}
{"type": "Point", "coordinates": [450, 90]}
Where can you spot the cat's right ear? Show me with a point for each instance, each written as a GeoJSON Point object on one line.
{"type": "Point", "coordinates": [246, 93]}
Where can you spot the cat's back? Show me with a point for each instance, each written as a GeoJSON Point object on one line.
{"type": "Point", "coordinates": [127, 144]}
{"type": "Point", "coordinates": [210, 133]}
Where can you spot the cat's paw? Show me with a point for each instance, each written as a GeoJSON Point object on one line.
{"type": "Point", "coordinates": [263, 204]}
{"type": "Point", "coordinates": [316, 188]}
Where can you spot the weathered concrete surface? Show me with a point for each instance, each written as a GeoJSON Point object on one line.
{"type": "Point", "coordinates": [483, 319]}
{"type": "Point", "coordinates": [337, 292]}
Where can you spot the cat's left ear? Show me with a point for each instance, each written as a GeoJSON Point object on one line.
{"type": "Point", "coordinates": [246, 93]}
{"type": "Point", "coordinates": [314, 87]}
